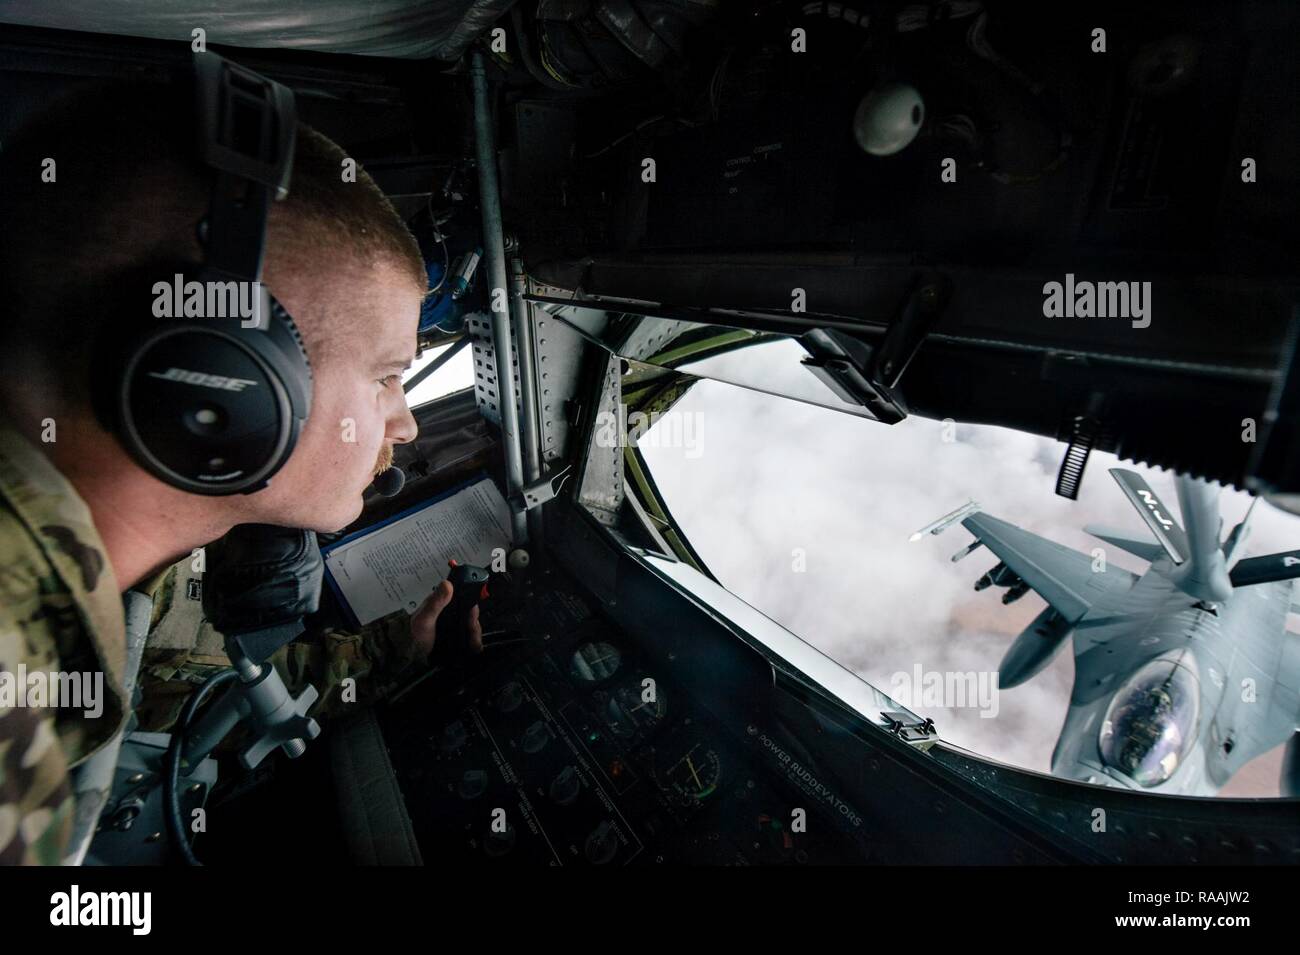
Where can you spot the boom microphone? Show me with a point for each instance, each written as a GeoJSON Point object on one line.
{"type": "Point", "coordinates": [390, 481]}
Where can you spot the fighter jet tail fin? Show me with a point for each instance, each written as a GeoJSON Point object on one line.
{"type": "Point", "coordinates": [1170, 535]}
{"type": "Point", "coordinates": [1266, 569]}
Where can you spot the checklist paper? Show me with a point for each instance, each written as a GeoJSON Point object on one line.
{"type": "Point", "coordinates": [396, 565]}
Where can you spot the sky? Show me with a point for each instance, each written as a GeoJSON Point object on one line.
{"type": "Point", "coordinates": [458, 373]}
{"type": "Point", "coordinates": [766, 477]}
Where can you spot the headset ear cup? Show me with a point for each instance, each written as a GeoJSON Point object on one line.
{"type": "Point", "coordinates": [210, 405]}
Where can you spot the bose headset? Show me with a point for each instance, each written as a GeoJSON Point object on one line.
{"type": "Point", "coordinates": [214, 405]}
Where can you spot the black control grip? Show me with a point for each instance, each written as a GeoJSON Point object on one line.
{"type": "Point", "coordinates": [452, 637]}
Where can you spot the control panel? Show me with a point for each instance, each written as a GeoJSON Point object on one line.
{"type": "Point", "coordinates": [563, 745]}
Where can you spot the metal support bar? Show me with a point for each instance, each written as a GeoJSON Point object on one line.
{"type": "Point", "coordinates": [494, 251]}
{"type": "Point", "coordinates": [530, 413]}
{"type": "Point", "coordinates": [528, 426]}
{"type": "Point", "coordinates": [434, 365]}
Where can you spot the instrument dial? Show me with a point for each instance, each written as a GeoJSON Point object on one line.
{"type": "Point", "coordinates": [636, 708]}
{"type": "Point", "coordinates": [594, 662]}
{"type": "Point", "coordinates": [693, 776]}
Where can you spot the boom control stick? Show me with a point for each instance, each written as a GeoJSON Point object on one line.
{"type": "Point", "coordinates": [451, 644]}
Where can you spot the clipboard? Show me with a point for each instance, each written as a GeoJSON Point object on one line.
{"type": "Point", "coordinates": [395, 564]}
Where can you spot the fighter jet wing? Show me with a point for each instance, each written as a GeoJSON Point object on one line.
{"type": "Point", "coordinates": [1061, 576]}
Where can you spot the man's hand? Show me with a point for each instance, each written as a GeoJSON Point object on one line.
{"type": "Point", "coordinates": [424, 622]}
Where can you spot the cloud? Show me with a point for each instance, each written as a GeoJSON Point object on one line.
{"type": "Point", "coordinates": [778, 477]}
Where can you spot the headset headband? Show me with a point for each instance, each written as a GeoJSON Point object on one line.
{"type": "Point", "coordinates": [247, 125]}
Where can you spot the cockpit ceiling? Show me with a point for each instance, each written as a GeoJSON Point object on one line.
{"type": "Point", "coordinates": [407, 29]}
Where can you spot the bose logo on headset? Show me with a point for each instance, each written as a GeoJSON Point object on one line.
{"type": "Point", "coordinates": [202, 378]}
{"type": "Point", "coordinates": [228, 429]}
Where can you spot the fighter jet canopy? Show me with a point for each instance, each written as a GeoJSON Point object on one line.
{"type": "Point", "coordinates": [1151, 723]}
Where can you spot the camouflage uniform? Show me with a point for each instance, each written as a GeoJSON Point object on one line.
{"type": "Point", "coordinates": [61, 609]}
{"type": "Point", "coordinates": [183, 650]}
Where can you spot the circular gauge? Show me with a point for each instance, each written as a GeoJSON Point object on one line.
{"type": "Point", "coordinates": [694, 776]}
{"type": "Point", "coordinates": [594, 662]}
{"type": "Point", "coordinates": [635, 708]}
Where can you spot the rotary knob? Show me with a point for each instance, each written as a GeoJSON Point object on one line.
{"type": "Point", "coordinates": [510, 697]}
{"type": "Point", "coordinates": [536, 737]}
{"type": "Point", "coordinates": [453, 737]}
{"type": "Point", "coordinates": [566, 787]}
{"type": "Point", "coordinates": [473, 783]}
{"type": "Point", "coordinates": [497, 844]}
{"type": "Point", "coordinates": [602, 844]}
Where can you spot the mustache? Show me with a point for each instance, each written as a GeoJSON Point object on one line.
{"type": "Point", "coordinates": [385, 460]}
